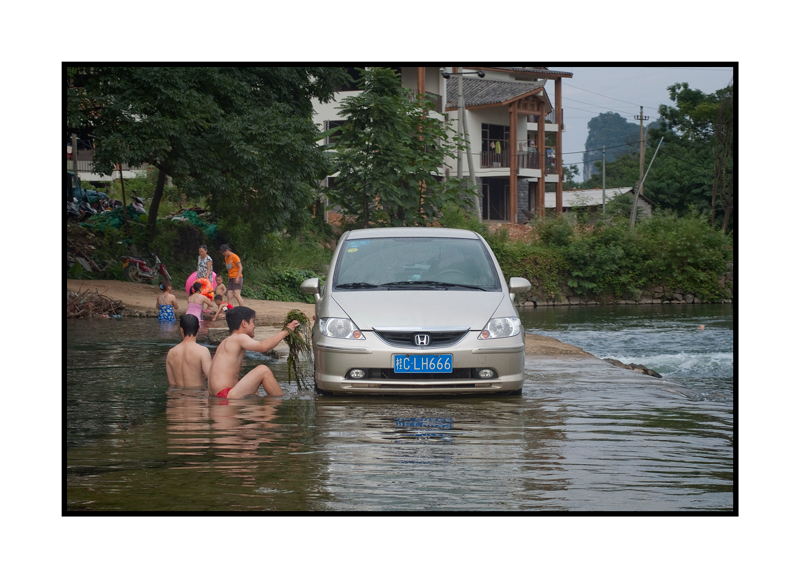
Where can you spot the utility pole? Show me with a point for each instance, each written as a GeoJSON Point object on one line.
{"type": "Point", "coordinates": [75, 154]}
{"type": "Point", "coordinates": [641, 185]}
{"type": "Point", "coordinates": [463, 131]}
{"type": "Point", "coordinates": [641, 118]}
{"type": "Point", "coordinates": [460, 117]}
{"type": "Point", "coordinates": [604, 180]}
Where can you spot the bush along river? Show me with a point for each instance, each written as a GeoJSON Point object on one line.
{"type": "Point", "coordinates": [584, 436]}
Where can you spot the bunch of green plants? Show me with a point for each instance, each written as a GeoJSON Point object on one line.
{"type": "Point", "coordinates": [299, 342]}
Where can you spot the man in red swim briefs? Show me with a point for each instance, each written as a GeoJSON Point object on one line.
{"type": "Point", "coordinates": [223, 378]}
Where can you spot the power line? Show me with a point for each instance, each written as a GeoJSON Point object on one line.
{"type": "Point", "coordinates": [606, 147]}
{"type": "Point", "coordinates": [721, 69]}
{"type": "Point", "coordinates": [598, 106]}
{"type": "Point", "coordinates": [606, 96]}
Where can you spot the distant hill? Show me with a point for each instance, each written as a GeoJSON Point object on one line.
{"type": "Point", "coordinates": [611, 130]}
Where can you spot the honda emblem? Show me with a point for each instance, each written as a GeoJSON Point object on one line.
{"type": "Point", "coordinates": [422, 339]}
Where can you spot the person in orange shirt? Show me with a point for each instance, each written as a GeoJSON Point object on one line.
{"type": "Point", "coordinates": [234, 266]}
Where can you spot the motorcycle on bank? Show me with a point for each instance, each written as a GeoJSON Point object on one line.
{"type": "Point", "coordinates": [138, 271]}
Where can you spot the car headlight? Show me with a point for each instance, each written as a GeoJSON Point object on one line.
{"type": "Point", "coordinates": [339, 328]}
{"type": "Point", "coordinates": [501, 327]}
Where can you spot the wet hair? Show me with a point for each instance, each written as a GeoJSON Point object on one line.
{"type": "Point", "coordinates": [223, 248]}
{"type": "Point", "coordinates": [238, 314]}
{"type": "Point", "coordinates": [217, 297]}
{"type": "Point", "coordinates": [196, 287]}
{"type": "Point", "coordinates": [190, 324]}
{"type": "Point", "coordinates": [164, 285]}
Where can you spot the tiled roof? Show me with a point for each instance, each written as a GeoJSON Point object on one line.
{"type": "Point", "coordinates": [532, 70]}
{"type": "Point", "coordinates": [585, 198]}
{"type": "Point", "coordinates": [480, 92]}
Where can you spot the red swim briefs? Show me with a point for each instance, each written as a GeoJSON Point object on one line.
{"type": "Point", "coordinates": [224, 392]}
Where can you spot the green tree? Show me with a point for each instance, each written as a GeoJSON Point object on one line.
{"type": "Point", "coordinates": [241, 137]}
{"type": "Point", "coordinates": [700, 132]}
{"type": "Point", "coordinates": [389, 156]}
{"type": "Point", "coordinates": [622, 172]}
{"type": "Point", "coordinates": [568, 176]}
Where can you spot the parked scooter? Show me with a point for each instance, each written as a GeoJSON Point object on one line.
{"type": "Point", "coordinates": [138, 271]}
{"type": "Point", "coordinates": [138, 204]}
{"type": "Point", "coordinates": [80, 210]}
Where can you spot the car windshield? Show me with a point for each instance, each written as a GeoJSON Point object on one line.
{"type": "Point", "coordinates": [415, 263]}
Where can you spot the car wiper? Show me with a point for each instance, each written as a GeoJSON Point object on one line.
{"type": "Point", "coordinates": [358, 285]}
{"type": "Point", "coordinates": [409, 284]}
{"type": "Point", "coordinates": [441, 284]}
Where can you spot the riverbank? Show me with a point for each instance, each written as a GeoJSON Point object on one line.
{"type": "Point", "coordinates": [139, 300]}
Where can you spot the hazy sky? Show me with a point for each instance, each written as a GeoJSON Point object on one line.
{"type": "Point", "coordinates": [595, 90]}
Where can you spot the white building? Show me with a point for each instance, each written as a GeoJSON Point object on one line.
{"type": "Point", "coordinates": [513, 126]}
{"type": "Point", "coordinates": [593, 199]}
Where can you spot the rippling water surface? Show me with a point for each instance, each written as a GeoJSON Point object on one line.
{"type": "Point", "coordinates": [583, 436]}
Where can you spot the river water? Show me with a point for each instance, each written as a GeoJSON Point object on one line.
{"type": "Point", "coordinates": [584, 436]}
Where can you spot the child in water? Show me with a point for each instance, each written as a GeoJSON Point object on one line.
{"type": "Point", "coordinates": [222, 307]}
{"type": "Point", "coordinates": [167, 303]}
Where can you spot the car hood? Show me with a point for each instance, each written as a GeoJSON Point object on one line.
{"type": "Point", "coordinates": [419, 309]}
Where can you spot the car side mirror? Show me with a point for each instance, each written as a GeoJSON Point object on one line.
{"type": "Point", "coordinates": [518, 285]}
{"type": "Point", "coordinates": [311, 286]}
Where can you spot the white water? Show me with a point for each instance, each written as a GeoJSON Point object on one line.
{"type": "Point", "coordinates": [666, 339]}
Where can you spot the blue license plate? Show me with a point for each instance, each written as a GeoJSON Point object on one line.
{"type": "Point", "coordinates": [442, 363]}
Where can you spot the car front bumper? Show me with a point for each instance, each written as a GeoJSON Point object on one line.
{"type": "Point", "coordinates": [334, 358]}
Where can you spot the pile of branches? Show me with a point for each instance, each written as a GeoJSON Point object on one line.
{"type": "Point", "coordinates": [91, 304]}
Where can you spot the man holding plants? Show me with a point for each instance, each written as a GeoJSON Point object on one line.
{"type": "Point", "coordinates": [234, 266]}
{"type": "Point", "coordinates": [223, 378]}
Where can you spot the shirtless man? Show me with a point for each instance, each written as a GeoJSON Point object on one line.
{"type": "Point", "coordinates": [223, 381]}
{"type": "Point", "coordinates": [188, 363]}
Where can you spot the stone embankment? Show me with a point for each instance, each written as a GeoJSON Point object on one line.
{"type": "Point", "coordinates": [633, 367]}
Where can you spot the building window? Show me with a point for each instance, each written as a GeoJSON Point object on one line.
{"type": "Point", "coordinates": [352, 84]}
{"type": "Point", "coordinates": [334, 138]}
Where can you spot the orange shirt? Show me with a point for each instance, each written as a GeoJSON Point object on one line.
{"type": "Point", "coordinates": [232, 264]}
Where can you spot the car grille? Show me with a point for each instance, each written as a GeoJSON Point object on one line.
{"type": "Point", "coordinates": [458, 373]}
{"type": "Point", "coordinates": [417, 386]}
{"type": "Point", "coordinates": [406, 338]}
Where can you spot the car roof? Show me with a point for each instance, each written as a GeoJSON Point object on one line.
{"type": "Point", "coordinates": [386, 232]}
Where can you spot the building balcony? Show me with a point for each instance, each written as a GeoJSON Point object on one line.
{"type": "Point", "coordinates": [525, 160]}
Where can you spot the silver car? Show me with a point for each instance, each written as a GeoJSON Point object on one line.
{"type": "Point", "coordinates": [416, 311]}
